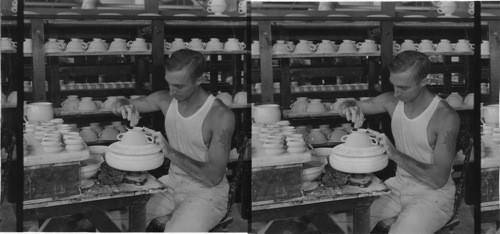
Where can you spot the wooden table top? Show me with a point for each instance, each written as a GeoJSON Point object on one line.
{"type": "Point", "coordinates": [328, 194]}
{"type": "Point", "coordinates": [101, 192]}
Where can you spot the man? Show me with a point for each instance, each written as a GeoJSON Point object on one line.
{"type": "Point", "coordinates": [425, 130]}
{"type": "Point", "coordinates": [199, 128]}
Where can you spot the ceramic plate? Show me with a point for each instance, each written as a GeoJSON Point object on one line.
{"type": "Point", "coordinates": [386, 16]}
{"type": "Point", "coordinates": [414, 16]}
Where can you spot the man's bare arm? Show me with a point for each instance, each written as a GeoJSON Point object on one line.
{"type": "Point", "coordinates": [437, 173]}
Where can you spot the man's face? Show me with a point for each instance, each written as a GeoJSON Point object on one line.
{"type": "Point", "coordinates": [180, 84]}
{"type": "Point", "coordinates": [406, 88]}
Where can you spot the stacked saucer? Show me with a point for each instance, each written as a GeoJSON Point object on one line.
{"type": "Point", "coordinates": [135, 151]}
{"type": "Point", "coordinates": [359, 154]}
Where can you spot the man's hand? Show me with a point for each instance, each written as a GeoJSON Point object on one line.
{"type": "Point", "coordinates": [127, 111]}
{"type": "Point", "coordinates": [383, 140]}
{"type": "Point", "coordinates": [159, 139]}
{"type": "Point", "coordinates": [353, 114]}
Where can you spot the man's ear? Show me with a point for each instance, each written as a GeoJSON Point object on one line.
{"type": "Point", "coordinates": [425, 81]}
{"type": "Point", "coordinates": [200, 80]}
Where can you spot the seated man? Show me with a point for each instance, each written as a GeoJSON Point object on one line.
{"type": "Point", "coordinates": [425, 130]}
{"type": "Point", "coordinates": [199, 129]}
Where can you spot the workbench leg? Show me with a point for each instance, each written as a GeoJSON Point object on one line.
{"type": "Point", "coordinates": [137, 218]}
{"type": "Point", "coordinates": [101, 221]}
{"type": "Point", "coordinates": [324, 223]}
{"type": "Point", "coordinates": [361, 219]}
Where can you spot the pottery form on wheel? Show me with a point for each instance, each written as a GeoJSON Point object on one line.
{"type": "Point", "coordinates": [135, 151]}
{"type": "Point", "coordinates": [359, 154]}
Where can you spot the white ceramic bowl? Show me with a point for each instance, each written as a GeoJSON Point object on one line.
{"type": "Point", "coordinates": [312, 170]}
{"type": "Point", "coordinates": [90, 166]}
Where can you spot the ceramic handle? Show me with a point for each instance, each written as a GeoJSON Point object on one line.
{"type": "Point", "coordinates": [241, 10]}
{"type": "Point", "coordinates": [209, 9]}
{"type": "Point", "coordinates": [204, 45]}
{"type": "Point", "coordinates": [329, 136]}
{"type": "Point", "coordinates": [343, 138]}
{"type": "Point", "coordinates": [129, 43]}
{"type": "Point", "coordinates": [291, 106]}
{"type": "Point", "coordinates": [119, 136]}
{"type": "Point", "coordinates": [99, 103]}
{"type": "Point", "coordinates": [168, 45]}
{"type": "Point", "coordinates": [396, 46]}
{"type": "Point", "coordinates": [359, 44]}
{"type": "Point", "coordinates": [440, 11]}
{"type": "Point", "coordinates": [243, 45]}
{"type": "Point", "coordinates": [84, 46]}
{"type": "Point", "coordinates": [374, 141]}
{"type": "Point", "coordinates": [471, 11]}
{"type": "Point", "coordinates": [313, 47]}
{"type": "Point", "coordinates": [99, 134]}
{"type": "Point", "coordinates": [63, 103]}
{"type": "Point", "coordinates": [76, 106]}
{"type": "Point", "coordinates": [150, 139]}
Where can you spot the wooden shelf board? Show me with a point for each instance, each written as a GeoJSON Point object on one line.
{"type": "Point", "coordinates": [329, 91]}
{"type": "Point", "coordinates": [85, 53]}
{"type": "Point", "coordinates": [315, 55]}
{"type": "Point", "coordinates": [217, 52]}
{"type": "Point", "coordinates": [8, 51]}
{"type": "Point", "coordinates": [9, 105]}
{"type": "Point", "coordinates": [239, 106]}
{"type": "Point", "coordinates": [326, 24]}
{"type": "Point", "coordinates": [291, 114]}
{"type": "Point", "coordinates": [435, 24]}
{"type": "Point", "coordinates": [60, 112]}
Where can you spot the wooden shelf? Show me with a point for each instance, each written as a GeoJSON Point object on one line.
{"type": "Point", "coordinates": [9, 105]}
{"type": "Point", "coordinates": [85, 53]}
{"type": "Point", "coordinates": [60, 112]}
{"type": "Point", "coordinates": [8, 51]}
{"type": "Point", "coordinates": [240, 106]}
{"type": "Point", "coordinates": [315, 55]}
{"type": "Point", "coordinates": [217, 52]}
{"type": "Point", "coordinates": [328, 92]}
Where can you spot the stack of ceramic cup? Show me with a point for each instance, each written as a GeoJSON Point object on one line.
{"type": "Point", "coordinates": [490, 137]}
{"type": "Point", "coordinates": [295, 143]}
{"type": "Point", "coordinates": [51, 142]}
{"type": "Point", "coordinates": [73, 141]}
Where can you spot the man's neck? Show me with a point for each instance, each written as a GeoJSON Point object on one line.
{"type": "Point", "coordinates": [197, 99]}
{"type": "Point", "coordinates": [422, 100]}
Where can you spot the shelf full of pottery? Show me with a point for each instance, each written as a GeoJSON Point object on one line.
{"type": "Point", "coordinates": [443, 47]}
{"type": "Point", "coordinates": [213, 46]}
{"type": "Point", "coordinates": [238, 101]}
{"type": "Point", "coordinates": [86, 106]}
{"type": "Point", "coordinates": [98, 46]}
{"type": "Point", "coordinates": [326, 48]}
{"type": "Point", "coordinates": [304, 107]}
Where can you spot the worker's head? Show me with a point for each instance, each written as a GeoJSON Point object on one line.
{"type": "Point", "coordinates": [183, 73]}
{"type": "Point", "coordinates": [409, 71]}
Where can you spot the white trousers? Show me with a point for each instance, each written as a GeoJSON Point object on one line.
{"type": "Point", "coordinates": [189, 205]}
{"type": "Point", "coordinates": [417, 207]}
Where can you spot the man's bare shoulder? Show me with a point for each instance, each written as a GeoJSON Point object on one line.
{"type": "Point", "coordinates": [445, 115]}
{"type": "Point", "coordinates": [221, 115]}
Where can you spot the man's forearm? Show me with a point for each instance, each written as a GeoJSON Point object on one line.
{"type": "Point", "coordinates": [418, 169]}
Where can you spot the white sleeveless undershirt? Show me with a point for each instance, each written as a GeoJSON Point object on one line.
{"type": "Point", "coordinates": [410, 135]}
{"type": "Point", "coordinates": [185, 133]}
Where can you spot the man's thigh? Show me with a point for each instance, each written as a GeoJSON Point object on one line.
{"type": "Point", "coordinates": [420, 218]}
{"type": "Point", "coordinates": [160, 205]}
{"type": "Point", "coordinates": [195, 214]}
{"type": "Point", "coordinates": [384, 207]}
